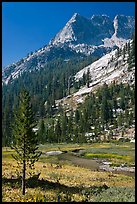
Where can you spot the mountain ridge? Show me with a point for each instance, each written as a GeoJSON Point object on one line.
{"type": "Point", "coordinates": [75, 40]}
{"type": "Point", "coordinates": [61, 86]}
{"type": "Point", "coordinates": [106, 70]}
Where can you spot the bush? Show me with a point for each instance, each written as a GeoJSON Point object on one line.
{"type": "Point", "coordinates": [116, 194]}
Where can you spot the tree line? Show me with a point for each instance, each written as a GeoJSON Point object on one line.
{"type": "Point", "coordinates": [53, 81]}
{"type": "Point", "coordinates": [109, 108]}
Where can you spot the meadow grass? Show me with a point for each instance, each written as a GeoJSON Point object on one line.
{"type": "Point", "coordinates": [107, 156]}
{"type": "Point", "coordinates": [72, 183]}
{"type": "Point", "coordinates": [117, 153]}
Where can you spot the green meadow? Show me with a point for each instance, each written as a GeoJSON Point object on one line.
{"type": "Point", "coordinates": [73, 175]}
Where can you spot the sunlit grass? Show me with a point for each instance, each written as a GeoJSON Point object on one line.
{"type": "Point", "coordinates": [67, 175]}
{"type": "Point", "coordinates": [107, 156]}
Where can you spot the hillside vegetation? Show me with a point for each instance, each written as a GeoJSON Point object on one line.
{"type": "Point", "coordinates": [108, 110]}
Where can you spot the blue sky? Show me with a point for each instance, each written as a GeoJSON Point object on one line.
{"type": "Point", "coordinates": [28, 26]}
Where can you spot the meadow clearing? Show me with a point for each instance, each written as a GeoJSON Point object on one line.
{"type": "Point", "coordinates": [73, 175]}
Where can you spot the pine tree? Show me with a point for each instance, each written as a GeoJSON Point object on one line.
{"type": "Point", "coordinates": [26, 143]}
{"type": "Point", "coordinates": [69, 84]}
{"type": "Point", "coordinates": [110, 108]}
{"type": "Point", "coordinates": [70, 127]}
{"type": "Point", "coordinates": [122, 102]}
{"type": "Point", "coordinates": [7, 116]}
{"type": "Point", "coordinates": [120, 120]}
{"type": "Point", "coordinates": [58, 131]}
{"type": "Point", "coordinates": [118, 52]}
{"type": "Point", "coordinates": [76, 135]}
{"type": "Point", "coordinates": [124, 51]}
{"type": "Point", "coordinates": [84, 79]}
{"type": "Point", "coordinates": [105, 110]}
{"type": "Point", "coordinates": [115, 104]}
{"type": "Point", "coordinates": [41, 131]}
{"type": "Point", "coordinates": [42, 109]}
{"type": "Point", "coordinates": [77, 116]}
{"type": "Point", "coordinates": [64, 127]}
{"type": "Point", "coordinates": [88, 77]}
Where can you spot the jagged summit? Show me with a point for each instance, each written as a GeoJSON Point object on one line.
{"type": "Point", "coordinates": [73, 18]}
{"type": "Point", "coordinates": [80, 36]}
{"type": "Point", "coordinates": [75, 15]}
{"type": "Point", "coordinates": [69, 34]}
{"type": "Point", "coordinates": [79, 29]}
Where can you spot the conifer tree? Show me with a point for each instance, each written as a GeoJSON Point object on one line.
{"type": "Point", "coordinates": [25, 140]}
{"type": "Point", "coordinates": [64, 126]}
{"type": "Point", "coordinates": [70, 127]}
{"type": "Point", "coordinates": [88, 77]}
{"type": "Point", "coordinates": [69, 84]}
{"type": "Point", "coordinates": [41, 131]}
{"type": "Point", "coordinates": [105, 110]}
{"type": "Point", "coordinates": [58, 131]}
{"type": "Point", "coordinates": [77, 116]}
{"type": "Point", "coordinates": [84, 78]}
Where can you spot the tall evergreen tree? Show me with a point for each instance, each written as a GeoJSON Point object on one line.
{"type": "Point", "coordinates": [25, 139]}
{"type": "Point", "coordinates": [77, 116]}
{"type": "Point", "coordinates": [7, 117]}
{"type": "Point", "coordinates": [70, 127]}
{"type": "Point", "coordinates": [84, 79]}
{"type": "Point", "coordinates": [64, 127]}
{"type": "Point", "coordinates": [105, 110]}
{"type": "Point", "coordinates": [58, 131]}
{"type": "Point", "coordinates": [69, 84]}
{"type": "Point", "coordinates": [41, 132]}
{"type": "Point", "coordinates": [88, 77]}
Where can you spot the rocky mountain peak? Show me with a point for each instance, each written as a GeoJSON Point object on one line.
{"type": "Point", "coordinates": [124, 26]}
{"type": "Point", "coordinates": [70, 32]}
{"type": "Point", "coordinates": [93, 31]}
{"type": "Point", "coordinates": [74, 17]}
{"type": "Point", "coordinates": [80, 36]}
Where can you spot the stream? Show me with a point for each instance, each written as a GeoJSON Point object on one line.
{"type": "Point", "coordinates": [93, 164]}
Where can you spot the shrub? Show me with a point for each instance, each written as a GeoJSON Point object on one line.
{"type": "Point", "coordinates": [116, 194]}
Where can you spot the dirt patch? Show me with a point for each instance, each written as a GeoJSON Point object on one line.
{"type": "Point", "coordinates": [82, 162]}
{"type": "Point", "coordinates": [91, 164]}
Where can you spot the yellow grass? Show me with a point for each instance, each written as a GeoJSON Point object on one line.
{"type": "Point", "coordinates": [72, 175]}
{"type": "Point", "coordinates": [67, 174]}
